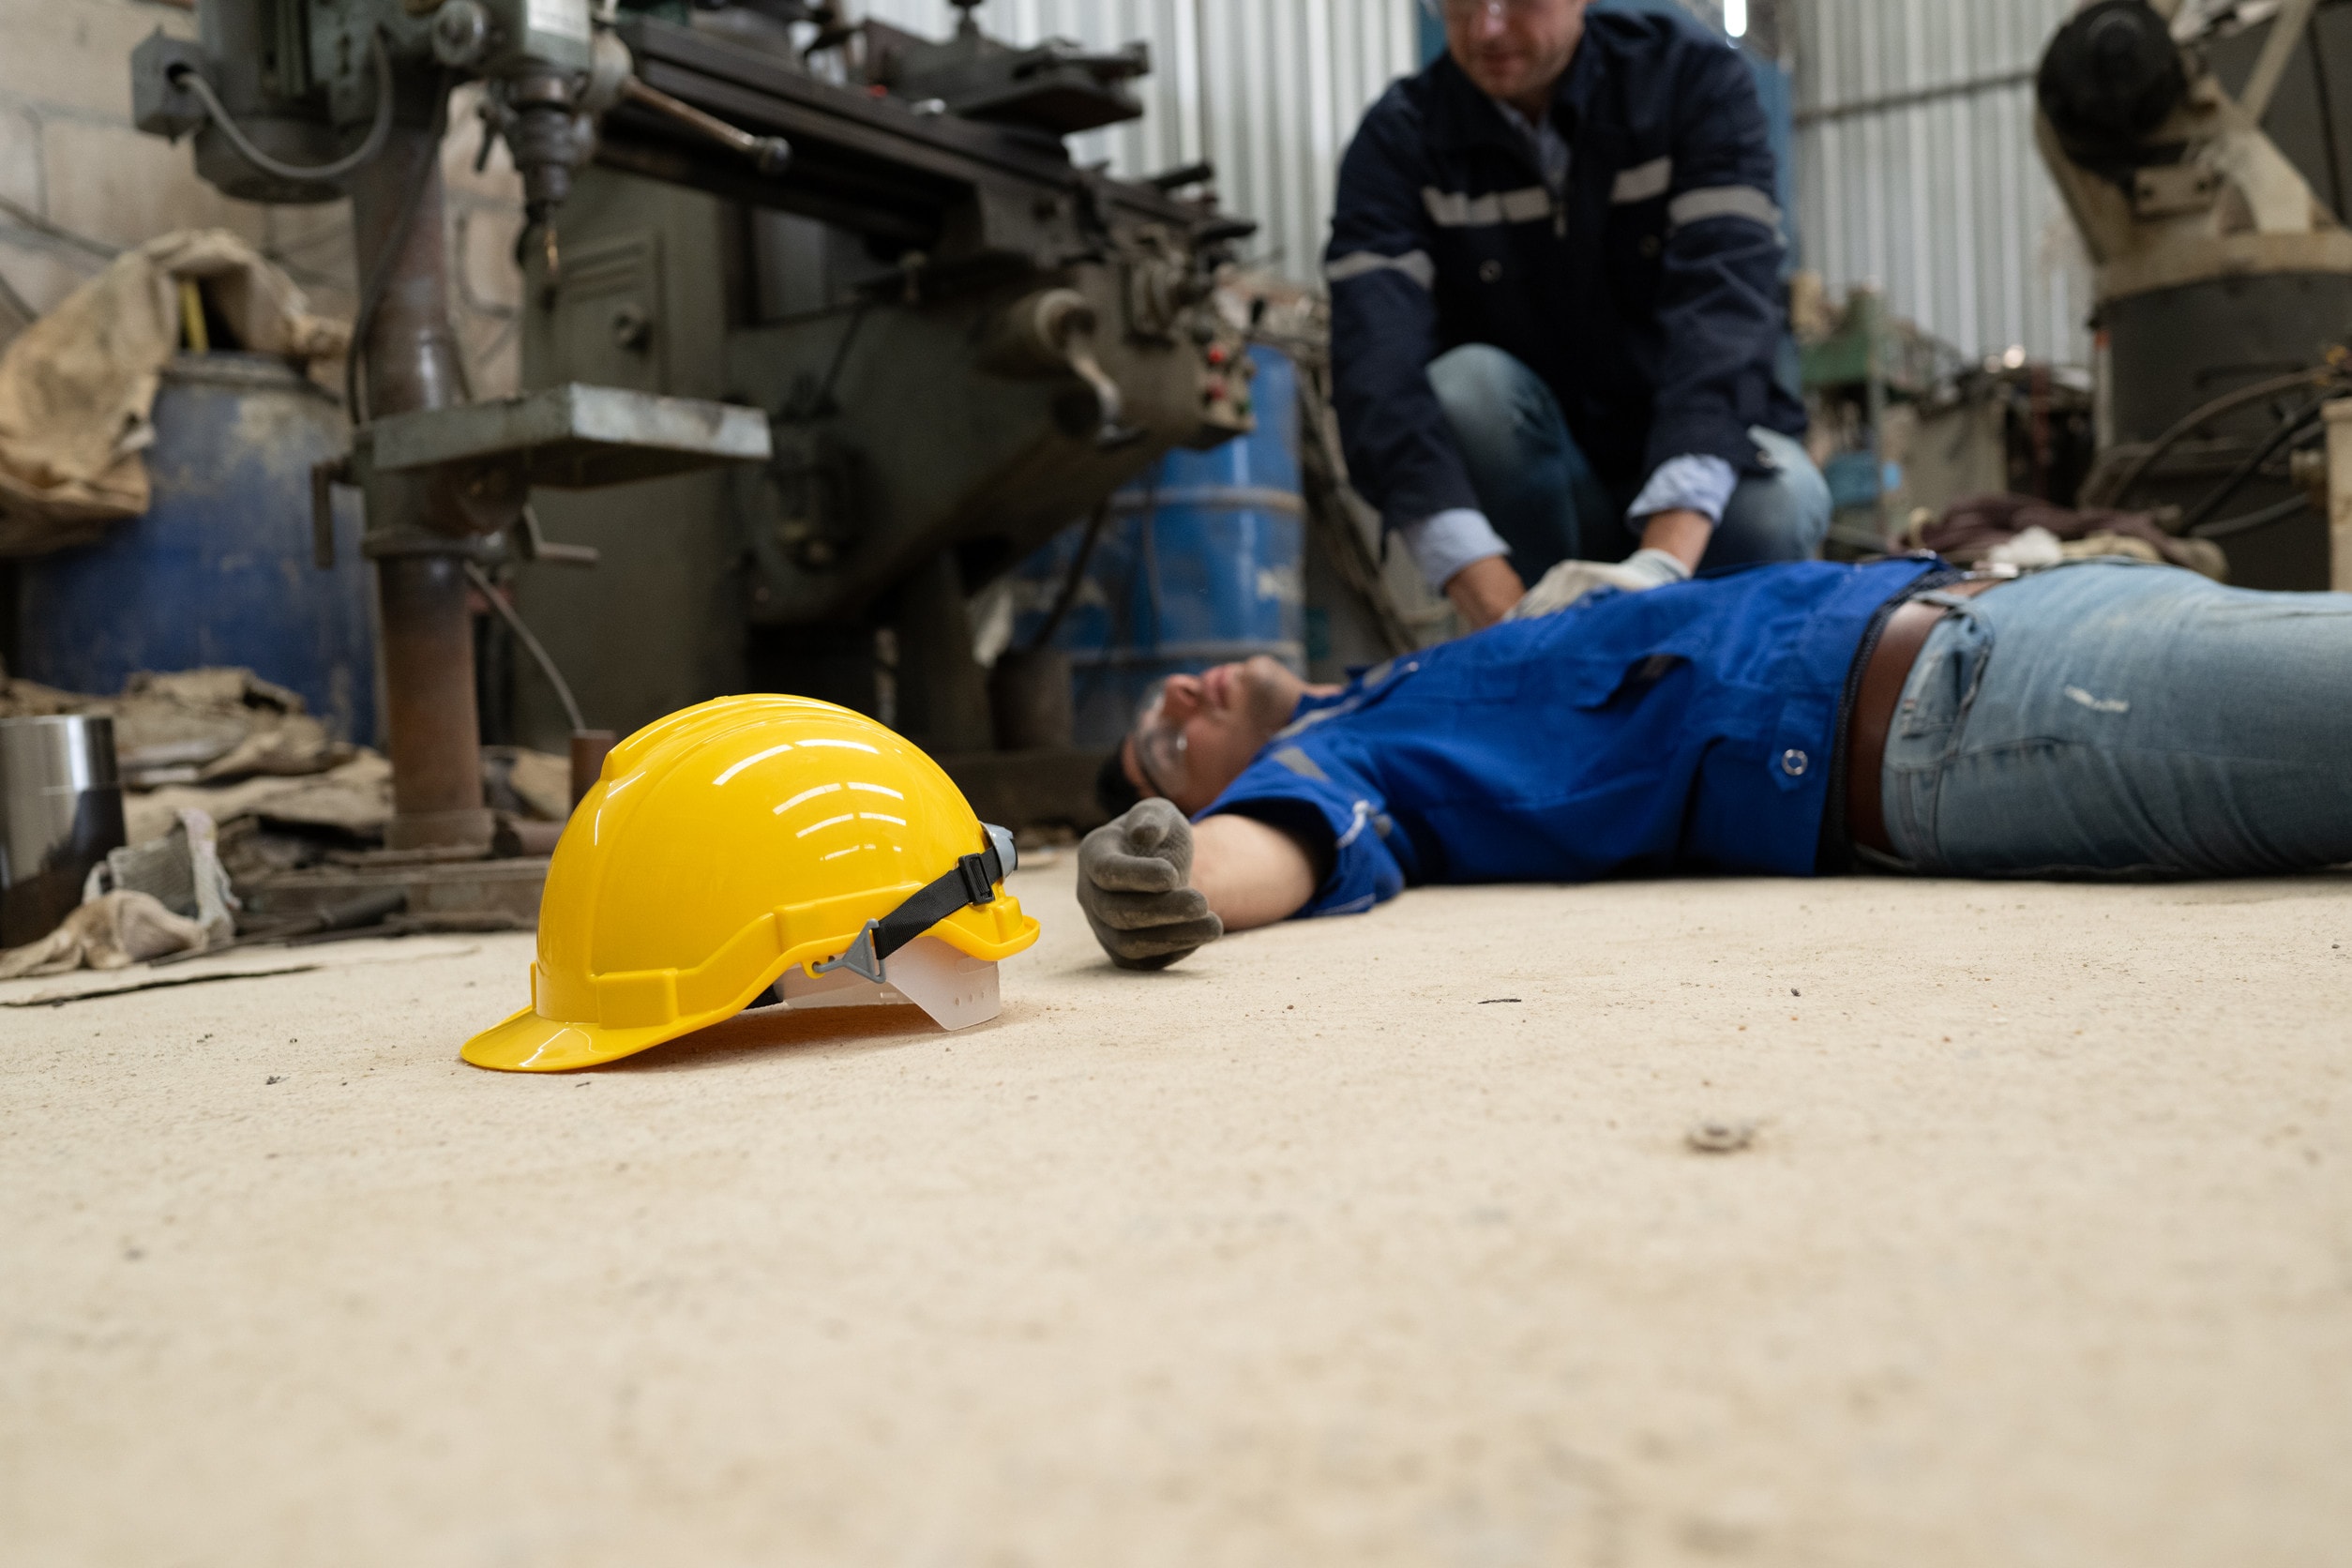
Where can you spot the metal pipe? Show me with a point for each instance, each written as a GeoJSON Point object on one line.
{"type": "Point", "coordinates": [770, 155]}
{"type": "Point", "coordinates": [432, 730]}
{"type": "Point", "coordinates": [1806, 118]}
{"type": "Point", "coordinates": [411, 350]}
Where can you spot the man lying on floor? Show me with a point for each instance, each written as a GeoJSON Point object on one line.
{"type": "Point", "coordinates": [2098, 719]}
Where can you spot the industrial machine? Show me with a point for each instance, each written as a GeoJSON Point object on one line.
{"type": "Point", "coordinates": [846, 279]}
{"type": "Point", "coordinates": [274, 91]}
{"type": "Point", "coordinates": [2223, 289]}
{"type": "Point", "coordinates": [963, 341]}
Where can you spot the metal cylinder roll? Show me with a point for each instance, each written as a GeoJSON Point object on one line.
{"type": "Point", "coordinates": [61, 811]}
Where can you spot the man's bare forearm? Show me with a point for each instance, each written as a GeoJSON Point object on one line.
{"type": "Point", "coordinates": [1252, 875]}
{"type": "Point", "coordinates": [1680, 533]}
{"type": "Point", "coordinates": [1485, 591]}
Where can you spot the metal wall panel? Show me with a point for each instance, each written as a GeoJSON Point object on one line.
{"type": "Point", "coordinates": [1268, 90]}
{"type": "Point", "coordinates": [1916, 169]}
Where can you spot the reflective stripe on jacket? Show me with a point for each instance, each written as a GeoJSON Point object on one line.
{"type": "Point", "coordinates": [1646, 295]}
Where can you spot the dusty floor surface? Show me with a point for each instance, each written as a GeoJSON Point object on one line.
{"type": "Point", "coordinates": [1314, 1250]}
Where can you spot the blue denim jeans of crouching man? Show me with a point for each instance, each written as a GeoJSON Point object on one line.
{"type": "Point", "coordinates": [2105, 719]}
{"type": "Point", "coordinates": [1536, 487]}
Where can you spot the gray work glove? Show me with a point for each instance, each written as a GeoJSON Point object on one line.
{"type": "Point", "coordinates": [1134, 884]}
{"type": "Point", "coordinates": [1571, 581]}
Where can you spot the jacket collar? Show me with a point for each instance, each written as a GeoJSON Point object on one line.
{"type": "Point", "coordinates": [1460, 115]}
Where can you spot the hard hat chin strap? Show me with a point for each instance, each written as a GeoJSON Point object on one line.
{"type": "Point", "coordinates": [971, 884]}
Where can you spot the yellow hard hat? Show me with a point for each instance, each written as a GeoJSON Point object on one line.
{"type": "Point", "coordinates": [748, 841]}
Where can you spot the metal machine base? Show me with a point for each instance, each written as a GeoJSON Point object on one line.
{"type": "Point", "coordinates": [474, 895]}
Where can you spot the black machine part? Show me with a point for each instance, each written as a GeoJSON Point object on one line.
{"type": "Point", "coordinates": [1053, 86]}
{"type": "Point", "coordinates": [903, 175]}
{"type": "Point", "coordinates": [2108, 80]}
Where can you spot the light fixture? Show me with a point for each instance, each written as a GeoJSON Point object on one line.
{"type": "Point", "coordinates": [1735, 17]}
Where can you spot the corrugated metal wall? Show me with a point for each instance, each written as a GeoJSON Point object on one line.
{"type": "Point", "coordinates": [1268, 90]}
{"type": "Point", "coordinates": [1915, 169]}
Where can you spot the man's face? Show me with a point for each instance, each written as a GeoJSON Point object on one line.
{"type": "Point", "coordinates": [1205, 730]}
{"type": "Point", "coordinates": [1515, 50]}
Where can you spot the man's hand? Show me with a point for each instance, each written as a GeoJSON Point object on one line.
{"type": "Point", "coordinates": [1568, 584]}
{"type": "Point", "coordinates": [1133, 877]}
{"type": "Point", "coordinates": [1485, 591]}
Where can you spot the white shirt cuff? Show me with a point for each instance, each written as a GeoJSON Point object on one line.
{"type": "Point", "coordinates": [1443, 545]}
{"type": "Point", "coordinates": [1687, 484]}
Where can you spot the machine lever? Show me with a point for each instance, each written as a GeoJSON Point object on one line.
{"type": "Point", "coordinates": [534, 545]}
{"type": "Point", "coordinates": [770, 155]}
{"type": "Point", "coordinates": [1052, 333]}
{"type": "Point", "coordinates": [1113, 435]}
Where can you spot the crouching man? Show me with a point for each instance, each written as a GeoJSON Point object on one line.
{"type": "Point", "coordinates": [2099, 719]}
{"type": "Point", "coordinates": [1555, 273]}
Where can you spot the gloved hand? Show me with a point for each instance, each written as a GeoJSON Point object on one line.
{"type": "Point", "coordinates": [1133, 885]}
{"type": "Point", "coordinates": [1571, 581]}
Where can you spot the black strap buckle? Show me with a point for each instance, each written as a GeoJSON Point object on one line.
{"type": "Point", "coordinates": [972, 883]}
{"type": "Point", "coordinates": [981, 876]}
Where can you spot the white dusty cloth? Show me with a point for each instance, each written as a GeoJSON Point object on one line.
{"type": "Point", "coordinates": [77, 387]}
{"type": "Point", "coordinates": [114, 931]}
{"type": "Point", "coordinates": [181, 870]}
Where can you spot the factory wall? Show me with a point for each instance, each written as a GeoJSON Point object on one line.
{"type": "Point", "coordinates": [1270, 91]}
{"type": "Point", "coordinates": [1916, 169]}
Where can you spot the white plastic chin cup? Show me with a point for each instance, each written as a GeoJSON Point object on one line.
{"type": "Point", "coordinates": [956, 990]}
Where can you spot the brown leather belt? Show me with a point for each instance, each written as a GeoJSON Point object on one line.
{"type": "Point", "coordinates": [1899, 643]}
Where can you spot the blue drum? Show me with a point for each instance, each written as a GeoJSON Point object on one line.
{"type": "Point", "coordinates": [1203, 562]}
{"type": "Point", "coordinates": [221, 570]}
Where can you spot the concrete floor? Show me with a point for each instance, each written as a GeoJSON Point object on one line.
{"type": "Point", "coordinates": [1309, 1251]}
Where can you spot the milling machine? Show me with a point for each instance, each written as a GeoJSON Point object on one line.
{"type": "Point", "coordinates": [303, 102]}
{"type": "Point", "coordinates": [922, 337]}
{"type": "Point", "coordinates": [2224, 284]}
{"type": "Point", "coordinates": [963, 341]}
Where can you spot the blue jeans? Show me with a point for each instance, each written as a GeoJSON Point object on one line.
{"type": "Point", "coordinates": [2121, 720]}
{"type": "Point", "coordinates": [1536, 487]}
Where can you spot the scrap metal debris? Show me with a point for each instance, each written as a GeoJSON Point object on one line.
{"type": "Point", "coordinates": [285, 793]}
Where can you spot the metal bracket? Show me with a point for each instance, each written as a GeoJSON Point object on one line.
{"type": "Point", "coordinates": [324, 476]}
{"type": "Point", "coordinates": [534, 545]}
{"type": "Point", "coordinates": [162, 104]}
{"type": "Point", "coordinates": [860, 959]}
{"type": "Point", "coordinates": [576, 437]}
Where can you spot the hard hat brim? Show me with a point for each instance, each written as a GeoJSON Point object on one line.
{"type": "Point", "coordinates": [528, 1043]}
{"type": "Point", "coordinates": [531, 1043]}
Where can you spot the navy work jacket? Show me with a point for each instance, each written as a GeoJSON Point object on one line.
{"type": "Point", "coordinates": [1691, 727]}
{"type": "Point", "coordinates": [1648, 295]}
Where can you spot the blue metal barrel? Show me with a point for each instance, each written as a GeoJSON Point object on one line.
{"type": "Point", "coordinates": [1202, 564]}
{"type": "Point", "coordinates": [220, 571]}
